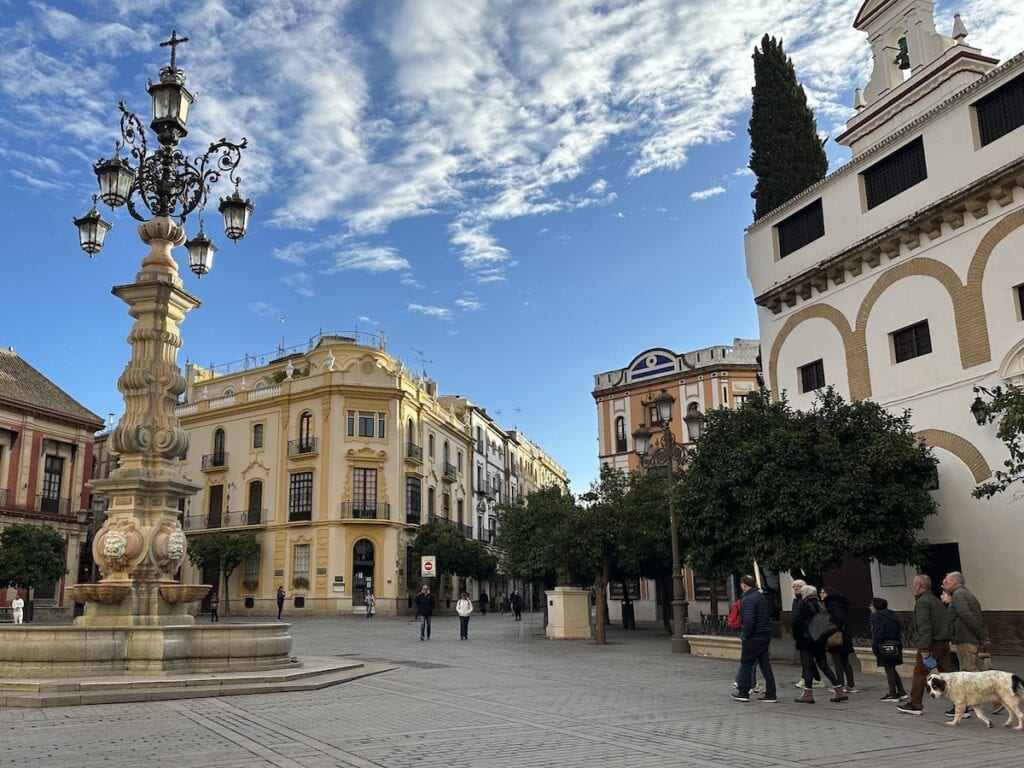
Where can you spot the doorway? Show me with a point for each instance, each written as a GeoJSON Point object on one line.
{"type": "Point", "coordinates": [940, 559]}
{"type": "Point", "coordinates": [362, 571]}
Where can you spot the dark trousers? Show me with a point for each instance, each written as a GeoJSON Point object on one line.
{"type": "Point", "coordinates": [895, 681]}
{"type": "Point", "coordinates": [424, 627]}
{"type": "Point", "coordinates": [280, 606]}
{"type": "Point", "coordinates": [463, 627]}
{"type": "Point", "coordinates": [843, 668]}
{"type": "Point", "coordinates": [940, 650]}
{"type": "Point", "coordinates": [213, 615]}
{"type": "Point", "coordinates": [755, 652]}
{"type": "Point", "coordinates": [811, 658]}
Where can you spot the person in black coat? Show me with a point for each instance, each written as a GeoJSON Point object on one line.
{"type": "Point", "coordinates": [886, 628]}
{"type": "Point", "coordinates": [812, 652]}
{"type": "Point", "coordinates": [837, 605]}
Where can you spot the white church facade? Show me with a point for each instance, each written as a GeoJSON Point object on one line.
{"type": "Point", "coordinates": [900, 278]}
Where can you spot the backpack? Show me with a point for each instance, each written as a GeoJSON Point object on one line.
{"type": "Point", "coordinates": [732, 621]}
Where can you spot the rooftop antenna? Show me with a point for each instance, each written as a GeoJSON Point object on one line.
{"type": "Point", "coordinates": [515, 420]}
{"type": "Point", "coordinates": [282, 320]}
{"type": "Point", "coordinates": [423, 361]}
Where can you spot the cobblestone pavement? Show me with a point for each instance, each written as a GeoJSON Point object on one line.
{"type": "Point", "coordinates": [507, 697]}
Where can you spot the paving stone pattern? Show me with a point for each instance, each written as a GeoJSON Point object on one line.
{"type": "Point", "coordinates": [507, 697]}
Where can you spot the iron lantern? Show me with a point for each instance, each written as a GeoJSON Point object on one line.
{"type": "Point", "coordinates": [236, 211]}
{"type": "Point", "coordinates": [92, 230]}
{"type": "Point", "coordinates": [200, 252]}
{"type": "Point", "coordinates": [664, 403]}
{"type": "Point", "coordinates": [115, 177]}
{"type": "Point", "coordinates": [641, 440]}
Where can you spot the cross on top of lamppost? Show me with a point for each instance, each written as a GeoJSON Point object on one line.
{"type": "Point", "coordinates": [174, 42]}
{"type": "Point", "coordinates": [165, 181]}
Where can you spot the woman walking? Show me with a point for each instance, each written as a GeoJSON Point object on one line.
{"type": "Point", "coordinates": [840, 645]}
{"type": "Point", "coordinates": [812, 652]}
{"type": "Point", "coordinates": [887, 645]}
{"type": "Point", "coordinates": [464, 608]}
{"type": "Point", "coordinates": [371, 604]}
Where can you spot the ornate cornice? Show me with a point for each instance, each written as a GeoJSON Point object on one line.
{"type": "Point", "coordinates": [908, 231]}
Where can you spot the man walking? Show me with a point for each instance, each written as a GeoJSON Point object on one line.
{"type": "Point", "coordinates": [967, 630]}
{"type": "Point", "coordinates": [799, 584]}
{"type": "Point", "coordinates": [424, 609]}
{"type": "Point", "coordinates": [517, 606]}
{"type": "Point", "coordinates": [755, 620]}
{"type": "Point", "coordinates": [931, 635]}
{"type": "Point", "coordinates": [18, 609]}
{"type": "Point", "coordinates": [280, 601]}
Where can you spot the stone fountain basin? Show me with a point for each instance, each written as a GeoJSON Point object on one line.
{"type": "Point", "coordinates": [107, 594]}
{"type": "Point", "coordinates": [183, 593]}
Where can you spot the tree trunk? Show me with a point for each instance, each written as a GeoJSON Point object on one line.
{"type": "Point", "coordinates": [666, 604]}
{"type": "Point", "coordinates": [601, 620]}
{"type": "Point", "coordinates": [227, 598]}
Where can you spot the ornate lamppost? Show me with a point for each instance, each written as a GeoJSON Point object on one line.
{"type": "Point", "coordinates": [141, 544]}
{"type": "Point", "coordinates": [669, 454]}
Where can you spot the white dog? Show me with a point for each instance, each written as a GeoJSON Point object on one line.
{"type": "Point", "coordinates": [973, 689]}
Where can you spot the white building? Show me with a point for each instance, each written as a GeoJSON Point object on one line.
{"type": "Point", "coordinates": [899, 278]}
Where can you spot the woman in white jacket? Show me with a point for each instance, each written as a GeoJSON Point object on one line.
{"type": "Point", "coordinates": [464, 608]}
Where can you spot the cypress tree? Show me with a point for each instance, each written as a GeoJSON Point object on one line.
{"type": "Point", "coordinates": [786, 154]}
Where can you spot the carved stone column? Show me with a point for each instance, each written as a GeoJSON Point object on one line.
{"type": "Point", "coordinates": [141, 544]}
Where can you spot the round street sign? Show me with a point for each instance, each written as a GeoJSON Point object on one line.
{"type": "Point", "coordinates": [428, 566]}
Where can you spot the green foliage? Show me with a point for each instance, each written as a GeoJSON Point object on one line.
{"type": "Point", "coordinates": [786, 154]}
{"type": "Point", "coordinates": [223, 552]}
{"type": "Point", "coordinates": [31, 555]}
{"type": "Point", "coordinates": [799, 490]}
{"type": "Point", "coordinates": [454, 552]}
{"type": "Point", "coordinates": [1005, 406]}
{"type": "Point", "coordinates": [532, 536]}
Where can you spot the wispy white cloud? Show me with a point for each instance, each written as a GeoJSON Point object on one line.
{"type": "Point", "coordinates": [704, 194]}
{"type": "Point", "coordinates": [264, 309]}
{"type": "Point", "coordinates": [744, 171]}
{"type": "Point", "coordinates": [469, 304]}
{"type": "Point", "coordinates": [441, 313]}
{"type": "Point", "coordinates": [410, 280]}
{"type": "Point", "coordinates": [300, 282]}
{"type": "Point", "coordinates": [369, 258]}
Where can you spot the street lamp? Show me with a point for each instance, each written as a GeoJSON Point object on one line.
{"type": "Point", "coordinates": [167, 182]}
{"type": "Point", "coordinates": [140, 544]}
{"type": "Point", "coordinates": [979, 409]}
{"type": "Point", "coordinates": [669, 454]}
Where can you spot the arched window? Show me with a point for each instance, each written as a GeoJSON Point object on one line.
{"type": "Point", "coordinates": [306, 431]}
{"type": "Point", "coordinates": [219, 457]}
{"type": "Point", "coordinates": [410, 433]}
{"type": "Point", "coordinates": [430, 446]}
{"type": "Point", "coordinates": [254, 509]}
{"type": "Point", "coordinates": [620, 435]}
{"type": "Point", "coordinates": [362, 570]}
{"type": "Point", "coordinates": [447, 453]}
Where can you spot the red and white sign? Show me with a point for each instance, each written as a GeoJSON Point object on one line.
{"type": "Point", "coordinates": [428, 566]}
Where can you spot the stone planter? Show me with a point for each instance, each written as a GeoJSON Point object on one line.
{"type": "Point", "coordinates": [715, 646]}
{"type": "Point", "coordinates": [869, 666]}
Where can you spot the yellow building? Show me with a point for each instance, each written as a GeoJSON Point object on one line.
{"type": "Point", "coordinates": [332, 457]}
{"type": "Point", "coordinates": [714, 377]}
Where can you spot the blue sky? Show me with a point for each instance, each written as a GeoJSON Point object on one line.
{"type": "Point", "coordinates": [529, 192]}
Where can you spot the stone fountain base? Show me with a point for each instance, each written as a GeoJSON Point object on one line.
{"type": "Point", "coordinates": [89, 651]}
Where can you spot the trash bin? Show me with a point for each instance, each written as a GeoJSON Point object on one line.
{"type": "Point", "coordinates": [628, 617]}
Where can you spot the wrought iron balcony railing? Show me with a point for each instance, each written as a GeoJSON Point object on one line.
{"type": "Point", "coordinates": [53, 506]}
{"type": "Point", "coordinates": [450, 474]}
{"type": "Point", "coordinates": [365, 510]}
{"type": "Point", "coordinates": [213, 461]}
{"type": "Point", "coordinates": [303, 447]}
{"type": "Point", "coordinates": [234, 519]}
{"type": "Point", "coordinates": [414, 453]}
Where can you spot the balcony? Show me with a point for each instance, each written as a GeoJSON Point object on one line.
{"type": "Point", "coordinates": [465, 530]}
{"type": "Point", "coordinates": [450, 475]}
{"type": "Point", "coordinates": [53, 506]}
{"type": "Point", "coordinates": [213, 462]}
{"type": "Point", "coordinates": [307, 446]}
{"type": "Point", "coordinates": [236, 519]}
{"type": "Point", "coordinates": [413, 453]}
{"type": "Point", "coordinates": [365, 510]}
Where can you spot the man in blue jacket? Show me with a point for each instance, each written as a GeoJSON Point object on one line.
{"type": "Point", "coordinates": [755, 623]}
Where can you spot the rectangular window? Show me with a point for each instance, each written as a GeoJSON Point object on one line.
{"type": "Point", "coordinates": [431, 510]}
{"type": "Point", "coordinates": [1019, 292]}
{"type": "Point", "coordinates": [380, 425]}
{"type": "Point", "coordinates": [252, 569]}
{"type": "Point", "coordinates": [366, 424]}
{"type": "Point", "coordinates": [53, 476]}
{"type": "Point", "coordinates": [479, 440]}
{"type": "Point", "coordinates": [413, 491]}
{"type": "Point", "coordinates": [812, 376]}
{"type": "Point", "coordinates": [351, 424]}
{"type": "Point", "coordinates": [460, 462]}
{"type": "Point", "coordinates": [910, 342]}
{"type": "Point", "coordinates": [300, 565]}
{"type": "Point", "coordinates": [899, 171]}
{"type": "Point", "coordinates": [257, 435]}
{"type": "Point", "coordinates": [364, 490]}
{"type": "Point", "coordinates": [803, 227]}
{"type": "Point", "coordinates": [1001, 111]}
{"type": "Point", "coordinates": [300, 496]}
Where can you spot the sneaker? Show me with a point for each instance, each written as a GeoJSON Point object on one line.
{"type": "Point", "coordinates": [818, 684]}
{"type": "Point", "coordinates": [852, 690]}
{"type": "Point", "coordinates": [735, 684]}
{"type": "Point", "coordinates": [768, 700]}
{"type": "Point", "coordinates": [740, 697]}
{"type": "Point", "coordinates": [800, 683]}
{"type": "Point", "coordinates": [890, 697]}
{"type": "Point", "coordinates": [951, 712]}
{"type": "Point", "coordinates": [904, 697]}
{"type": "Point", "coordinates": [757, 689]}
{"type": "Point", "coordinates": [910, 709]}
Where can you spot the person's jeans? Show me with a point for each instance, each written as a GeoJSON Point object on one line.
{"type": "Point", "coordinates": [464, 627]}
{"type": "Point", "coordinates": [940, 650]}
{"type": "Point", "coordinates": [843, 668]}
{"type": "Point", "coordinates": [895, 682]}
{"type": "Point", "coordinates": [756, 651]}
{"type": "Point", "coordinates": [424, 627]}
{"type": "Point", "coordinates": [816, 657]}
